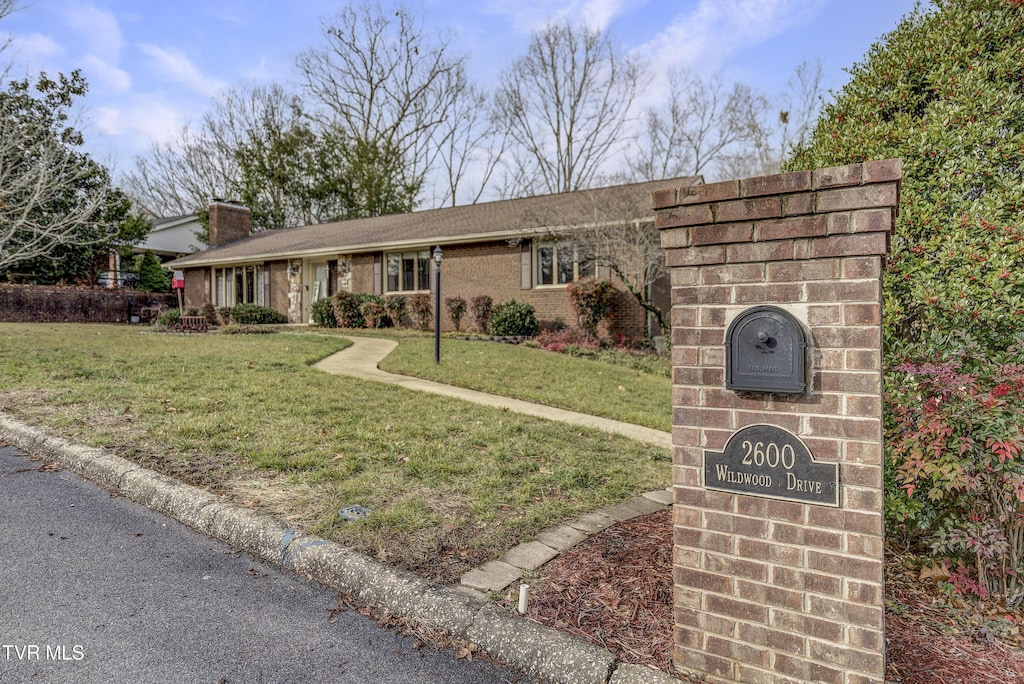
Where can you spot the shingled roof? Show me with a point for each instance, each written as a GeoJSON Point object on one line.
{"type": "Point", "coordinates": [470, 223]}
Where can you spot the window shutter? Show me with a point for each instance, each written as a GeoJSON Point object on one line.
{"type": "Point", "coordinates": [525, 265]}
{"type": "Point", "coordinates": [378, 274]}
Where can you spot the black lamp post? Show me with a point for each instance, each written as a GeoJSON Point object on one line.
{"type": "Point", "coordinates": [437, 304]}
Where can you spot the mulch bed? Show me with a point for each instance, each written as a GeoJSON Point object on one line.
{"type": "Point", "coordinates": [615, 590]}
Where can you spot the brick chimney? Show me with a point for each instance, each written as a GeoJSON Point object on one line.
{"type": "Point", "coordinates": [228, 222]}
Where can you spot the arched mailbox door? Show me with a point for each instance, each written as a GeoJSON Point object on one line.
{"type": "Point", "coordinates": [765, 352]}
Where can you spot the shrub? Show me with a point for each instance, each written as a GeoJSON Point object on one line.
{"type": "Point", "coordinates": [942, 93]}
{"type": "Point", "coordinates": [421, 310]}
{"type": "Point", "coordinates": [954, 444]}
{"type": "Point", "coordinates": [152, 276]}
{"type": "Point", "coordinates": [513, 318]}
{"type": "Point", "coordinates": [254, 314]}
{"type": "Point", "coordinates": [374, 314]}
{"type": "Point", "coordinates": [209, 312]}
{"type": "Point", "coordinates": [574, 341]}
{"type": "Point", "coordinates": [323, 313]}
{"type": "Point", "coordinates": [456, 310]}
{"type": "Point", "coordinates": [592, 300]}
{"type": "Point", "coordinates": [346, 309]}
{"type": "Point", "coordinates": [224, 313]}
{"type": "Point", "coordinates": [396, 308]}
{"type": "Point", "coordinates": [169, 318]}
{"type": "Point", "coordinates": [482, 307]}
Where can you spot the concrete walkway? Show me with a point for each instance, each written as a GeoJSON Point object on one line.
{"type": "Point", "coordinates": [361, 360]}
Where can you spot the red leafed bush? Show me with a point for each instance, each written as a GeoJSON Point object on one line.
{"type": "Point", "coordinates": [954, 445]}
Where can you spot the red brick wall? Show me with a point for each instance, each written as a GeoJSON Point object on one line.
{"type": "Point", "coordinates": [197, 287]}
{"type": "Point", "coordinates": [769, 590]}
{"type": "Point", "coordinates": [493, 269]}
{"type": "Point", "coordinates": [228, 222]}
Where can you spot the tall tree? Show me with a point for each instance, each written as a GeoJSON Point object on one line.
{"type": "Point", "coordinates": [382, 81]}
{"type": "Point", "coordinates": [774, 133]}
{"type": "Point", "coordinates": [565, 105]}
{"type": "Point", "coordinates": [55, 201]}
{"type": "Point", "coordinates": [943, 92]}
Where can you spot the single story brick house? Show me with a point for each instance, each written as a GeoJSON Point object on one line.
{"type": "Point", "coordinates": [519, 249]}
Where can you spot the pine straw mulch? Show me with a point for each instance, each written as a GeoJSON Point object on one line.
{"type": "Point", "coordinates": [615, 590]}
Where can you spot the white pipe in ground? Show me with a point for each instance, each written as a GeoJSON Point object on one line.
{"type": "Point", "coordinates": [524, 597]}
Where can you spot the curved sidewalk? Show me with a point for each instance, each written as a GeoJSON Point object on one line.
{"type": "Point", "coordinates": [361, 360]}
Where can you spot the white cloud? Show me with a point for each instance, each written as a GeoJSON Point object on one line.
{"type": "Point", "coordinates": [35, 47]}
{"type": "Point", "coordinates": [140, 123]}
{"type": "Point", "coordinates": [710, 32]}
{"type": "Point", "coordinates": [178, 67]}
{"type": "Point", "coordinates": [715, 29]}
{"type": "Point", "coordinates": [98, 71]}
{"type": "Point", "coordinates": [530, 15]}
{"type": "Point", "coordinates": [99, 29]}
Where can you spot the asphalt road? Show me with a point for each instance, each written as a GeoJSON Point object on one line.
{"type": "Point", "coordinates": [95, 588]}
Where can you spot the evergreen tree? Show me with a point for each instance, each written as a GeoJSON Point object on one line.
{"type": "Point", "coordinates": [943, 92]}
{"type": "Point", "coordinates": [152, 276]}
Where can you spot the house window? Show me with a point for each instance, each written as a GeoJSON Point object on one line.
{"type": "Point", "coordinates": [408, 271]}
{"type": "Point", "coordinates": [558, 263]}
{"type": "Point", "coordinates": [238, 285]}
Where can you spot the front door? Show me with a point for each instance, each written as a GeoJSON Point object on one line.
{"type": "Point", "coordinates": [317, 287]}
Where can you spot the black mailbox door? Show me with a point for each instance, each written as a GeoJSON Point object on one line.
{"type": "Point", "coordinates": [765, 352]}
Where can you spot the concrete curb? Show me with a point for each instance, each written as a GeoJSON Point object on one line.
{"type": "Point", "coordinates": [537, 650]}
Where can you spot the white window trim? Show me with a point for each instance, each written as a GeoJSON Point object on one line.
{"type": "Point", "coordinates": [421, 255]}
{"type": "Point", "coordinates": [537, 244]}
{"type": "Point", "coordinates": [224, 284]}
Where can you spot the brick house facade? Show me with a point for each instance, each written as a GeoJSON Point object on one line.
{"type": "Point", "coordinates": [519, 249]}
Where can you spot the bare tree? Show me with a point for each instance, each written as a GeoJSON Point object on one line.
{"type": "Point", "coordinates": [623, 239]}
{"type": "Point", "coordinates": [6, 8]}
{"type": "Point", "coordinates": [383, 82]}
{"type": "Point", "coordinates": [773, 133]}
{"type": "Point", "coordinates": [180, 177]}
{"type": "Point", "coordinates": [565, 105]}
{"type": "Point", "coordinates": [51, 194]}
{"type": "Point", "coordinates": [470, 149]}
{"type": "Point", "coordinates": [702, 123]}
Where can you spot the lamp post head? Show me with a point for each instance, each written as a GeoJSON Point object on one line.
{"type": "Point", "coordinates": [437, 255]}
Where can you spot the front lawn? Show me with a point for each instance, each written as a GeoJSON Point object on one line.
{"type": "Point", "coordinates": [451, 484]}
{"type": "Point", "coordinates": [578, 384]}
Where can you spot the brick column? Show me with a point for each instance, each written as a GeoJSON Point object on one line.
{"type": "Point", "coordinates": [768, 589]}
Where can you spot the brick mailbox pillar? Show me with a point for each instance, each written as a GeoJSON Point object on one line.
{"type": "Point", "coordinates": [777, 423]}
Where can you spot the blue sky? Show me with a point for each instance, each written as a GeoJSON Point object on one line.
{"type": "Point", "coordinates": [153, 66]}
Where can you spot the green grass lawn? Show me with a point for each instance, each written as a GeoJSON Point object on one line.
{"type": "Point", "coordinates": [578, 384]}
{"type": "Point", "coordinates": [451, 484]}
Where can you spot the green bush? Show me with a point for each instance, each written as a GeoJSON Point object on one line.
{"type": "Point", "coordinates": [323, 313]}
{"type": "Point", "coordinates": [209, 312]}
{"type": "Point", "coordinates": [169, 318]}
{"type": "Point", "coordinates": [152, 276]}
{"type": "Point", "coordinates": [943, 93]}
{"type": "Point", "coordinates": [346, 308]}
{"type": "Point", "coordinates": [374, 314]}
{"type": "Point", "coordinates": [397, 309]}
{"type": "Point", "coordinates": [254, 314]}
{"type": "Point", "coordinates": [513, 318]}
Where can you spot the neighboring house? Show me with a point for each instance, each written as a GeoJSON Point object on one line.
{"type": "Point", "coordinates": [172, 237]}
{"type": "Point", "coordinates": [168, 238]}
{"type": "Point", "coordinates": [517, 249]}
